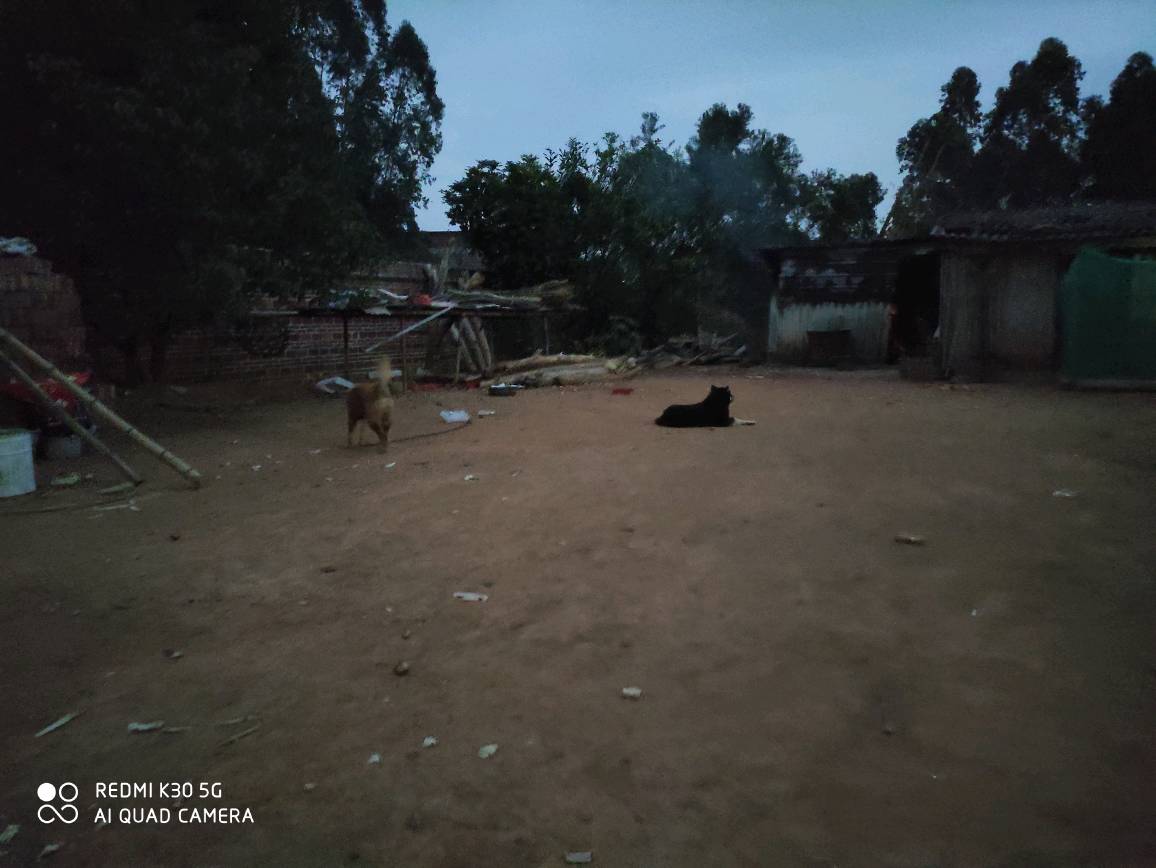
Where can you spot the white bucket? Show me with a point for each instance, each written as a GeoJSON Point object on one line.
{"type": "Point", "coordinates": [16, 473]}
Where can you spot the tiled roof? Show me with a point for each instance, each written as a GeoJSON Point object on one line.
{"type": "Point", "coordinates": [1074, 222]}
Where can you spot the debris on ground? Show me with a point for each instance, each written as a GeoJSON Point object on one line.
{"type": "Point", "coordinates": [120, 488]}
{"type": "Point", "coordinates": [429, 741]}
{"type": "Point", "coordinates": [405, 634]}
{"type": "Point", "coordinates": [621, 390]}
{"type": "Point", "coordinates": [452, 416]}
{"type": "Point", "coordinates": [1059, 492]}
{"type": "Point", "coordinates": [172, 653]}
{"type": "Point", "coordinates": [374, 759]}
{"type": "Point", "coordinates": [310, 787]}
{"type": "Point", "coordinates": [482, 413]}
{"type": "Point", "coordinates": [175, 730]}
{"type": "Point", "coordinates": [65, 480]}
{"type": "Point", "coordinates": [909, 539]}
{"type": "Point", "coordinates": [487, 750]}
{"type": "Point", "coordinates": [48, 850]}
{"type": "Point", "coordinates": [471, 477]}
{"type": "Point", "coordinates": [153, 726]}
{"type": "Point", "coordinates": [505, 390]}
{"type": "Point", "coordinates": [56, 724]}
{"type": "Point", "coordinates": [745, 421]}
{"type": "Point", "coordinates": [9, 833]}
{"type": "Point", "coordinates": [255, 467]}
{"type": "Point", "coordinates": [333, 385]}
{"type": "Point", "coordinates": [174, 537]}
{"type": "Point", "coordinates": [580, 857]}
{"type": "Point", "coordinates": [242, 734]}
{"type": "Point", "coordinates": [179, 390]}
{"type": "Point", "coordinates": [391, 465]}
{"type": "Point", "coordinates": [127, 504]}
{"type": "Point", "coordinates": [401, 668]}
{"type": "Point", "coordinates": [706, 349]}
{"type": "Point", "coordinates": [235, 721]}
{"type": "Point", "coordinates": [329, 568]}
{"type": "Point", "coordinates": [471, 596]}
{"type": "Point", "coordinates": [632, 693]}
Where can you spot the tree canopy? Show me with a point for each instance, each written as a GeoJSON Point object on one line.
{"type": "Point", "coordinates": [650, 231]}
{"type": "Point", "coordinates": [174, 158]}
{"type": "Point", "coordinates": [1039, 143]}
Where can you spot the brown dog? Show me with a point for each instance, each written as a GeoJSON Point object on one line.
{"type": "Point", "coordinates": [371, 403]}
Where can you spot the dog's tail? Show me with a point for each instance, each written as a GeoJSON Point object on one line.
{"type": "Point", "coordinates": [384, 374]}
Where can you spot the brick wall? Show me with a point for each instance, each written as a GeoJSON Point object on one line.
{"type": "Point", "coordinates": [42, 309]}
{"type": "Point", "coordinates": [290, 346]}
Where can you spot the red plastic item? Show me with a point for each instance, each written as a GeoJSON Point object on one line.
{"type": "Point", "coordinates": [621, 390]}
{"type": "Point", "coordinates": [55, 391]}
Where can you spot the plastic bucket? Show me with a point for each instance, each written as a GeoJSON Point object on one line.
{"type": "Point", "coordinates": [16, 473]}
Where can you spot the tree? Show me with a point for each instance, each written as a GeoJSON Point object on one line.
{"type": "Point", "coordinates": [937, 156]}
{"type": "Point", "coordinates": [839, 208]}
{"type": "Point", "coordinates": [176, 158]}
{"type": "Point", "coordinates": [1119, 155]}
{"type": "Point", "coordinates": [1029, 152]}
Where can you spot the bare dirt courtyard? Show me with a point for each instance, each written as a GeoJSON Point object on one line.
{"type": "Point", "coordinates": [814, 693]}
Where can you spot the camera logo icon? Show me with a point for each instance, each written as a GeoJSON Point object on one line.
{"type": "Point", "coordinates": [49, 812]}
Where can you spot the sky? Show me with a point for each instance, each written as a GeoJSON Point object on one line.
{"type": "Point", "coordinates": [844, 78]}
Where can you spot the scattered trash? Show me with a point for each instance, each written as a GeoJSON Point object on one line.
{"type": "Point", "coordinates": [975, 613]}
{"type": "Point", "coordinates": [56, 724]}
{"type": "Point", "coordinates": [255, 467]}
{"type": "Point", "coordinates": [401, 668]}
{"type": "Point", "coordinates": [888, 728]}
{"type": "Point", "coordinates": [333, 385]}
{"type": "Point", "coordinates": [504, 390]}
{"type": "Point", "coordinates": [242, 734]}
{"type": "Point", "coordinates": [471, 596]}
{"type": "Point", "coordinates": [471, 477]}
{"type": "Point", "coordinates": [580, 857]}
{"type": "Point", "coordinates": [121, 488]}
{"type": "Point", "coordinates": [310, 787]}
{"type": "Point", "coordinates": [180, 390]}
{"type": "Point", "coordinates": [391, 465]}
{"type": "Point", "coordinates": [452, 416]}
{"type": "Point", "coordinates": [146, 727]}
{"type": "Point", "coordinates": [174, 537]}
{"type": "Point", "coordinates": [65, 480]}
{"type": "Point", "coordinates": [405, 634]}
{"type": "Point", "coordinates": [909, 539]}
{"type": "Point", "coordinates": [745, 421]}
{"type": "Point", "coordinates": [48, 850]}
{"type": "Point", "coordinates": [329, 568]}
{"type": "Point", "coordinates": [487, 750]}
{"type": "Point", "coordinates": [487, 412]}
{"type": "Point", "coordinates": [619, 390]}
{"type": "Point", "coordinates": [315, 451]}
{"type": "Point", "coordinates": [175, 730]}
{"type": "Point", "coordinates": [632, 693]}
{"type": "Point", "coordinates": [9, 833]}
{"type": "Point", "coordinates": [128, 504]}
{"type": "Point", "coordinates": [374, 759]}
{"type": "Point", "coordinates": [1059, 492]}
{"type": "Point", "coordinates": [235, 721]}
{"type": "Point", "coordinates": [429, 741]}
{"type": "Point", "coordinates": [172, 653]}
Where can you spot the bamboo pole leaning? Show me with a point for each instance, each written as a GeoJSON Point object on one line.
{"type": "Point", "coordinates": [484, 344]}
{"type": "Point", "coordinates": [471, 340]}
{"type": "Point", "coordinates": [100, 409]}
{"type": "Point", "coordinates": [63, 415]}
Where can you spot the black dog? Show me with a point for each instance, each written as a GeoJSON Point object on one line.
{"type": "Point", "coordinates": [714, 412]}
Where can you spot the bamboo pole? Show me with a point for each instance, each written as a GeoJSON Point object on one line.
{"type": "Point", "coordinates": [484, 343]}
{"type": "Point", "coordinates": [471, 342]}
{"type": "Point", "coordinates": [458, 334]}
{"type": "Point", "coordinates": [103, 411]}
{"type": "Point", "coordinates": [404, 360]}
{"type": "Point", "coordinates": [458, 366]}
{"type": "Point", "coordinates": [60, 413]}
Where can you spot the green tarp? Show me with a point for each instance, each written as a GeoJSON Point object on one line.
{"type": "Point", "coordinates": [1108, 319]}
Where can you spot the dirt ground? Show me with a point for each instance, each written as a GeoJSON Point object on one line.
{"type": "Point", "coordinates": [813, 692]}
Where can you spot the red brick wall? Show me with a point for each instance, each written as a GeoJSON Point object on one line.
{"type": "Point", "coordinates": [42, 309]}
{"type": "Point", "coordinates": [310, 347]}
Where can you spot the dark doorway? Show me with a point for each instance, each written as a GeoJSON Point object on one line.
{"type": "Point", "coordinates": [915, 306]}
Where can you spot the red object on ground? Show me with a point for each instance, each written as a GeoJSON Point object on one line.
{"type": "Point", "coordinates": [621, 390]}
{"type": "Point", "coordinates": [55, 391]}
{"type": "Point", "coordinates": [422, 299]}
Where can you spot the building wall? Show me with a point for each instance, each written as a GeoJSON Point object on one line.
{"type": "Point", "coordinates": [42, 309]}
{"type": "Point", "coordinates": [999, 310]}
{"type": "Point", "coordinates": [789, 324]}
{"type": "Point", "coordinates": [303, 347]}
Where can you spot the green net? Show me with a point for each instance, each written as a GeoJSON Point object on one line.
{"type": "Point", "coordinates": [1108, 318]}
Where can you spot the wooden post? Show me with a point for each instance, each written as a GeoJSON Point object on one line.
{"type": "Point", "coordinates": [470, 339]}
{"type": "Point", "coordinates": [404, 360]}
{"type": "Point", "coordinates": [484, 346]}
{"type": "Point", "coordinates": [345, 342]}
{"type": "Point", "coordinates": [101, 410]}
{"type": "Point", "coordinates": [60, 413]}
{"type": "Point", "coordinates": [458, 334]}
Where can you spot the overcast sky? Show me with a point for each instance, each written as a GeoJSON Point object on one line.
{"type": "Point", "coordinates": [844, 78]}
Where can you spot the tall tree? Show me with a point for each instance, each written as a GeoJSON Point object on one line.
{"type": "Point", "coordinates": [1119, 155]}
{"type": "Point", "coordinates": [176, 158]}
{"type": "Point", "coordinates": [1029, 153]}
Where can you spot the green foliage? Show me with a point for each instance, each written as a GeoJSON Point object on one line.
{"type": "Point", "coordinates": [653, 234]}
{"type": "Point", "coordinates": [175, 158]}
{"type": "Point", "coordinates": [1038, 145]}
